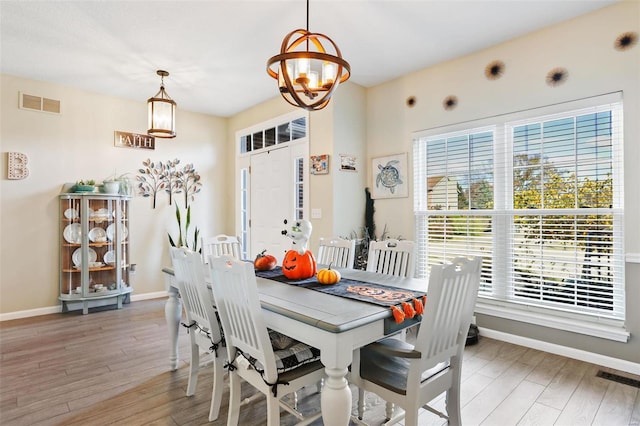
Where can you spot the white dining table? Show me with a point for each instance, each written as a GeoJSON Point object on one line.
{"type": "Point", "coordinates": [335, 325]}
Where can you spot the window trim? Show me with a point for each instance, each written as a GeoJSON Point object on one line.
{"type": "Point", "coordinates": [591, 326]}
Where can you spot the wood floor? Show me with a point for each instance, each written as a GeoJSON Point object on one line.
{"type": "Point", "coordinates": [111, 368]}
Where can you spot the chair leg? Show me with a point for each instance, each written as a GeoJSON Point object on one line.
{"type": "Point", "coordinates": [452, 396]}
{"type": "Point", "coordinates": [360, 403]}
{"type": "Point", "coordinates": [217, 388]}
{"type": "Point", "coordinates": [235, 384]}
{"type": "Point", "coordinates": [388, 410]}
{"type": "Point", "coordinates": [453, 407]}
{"type": "Point", "coordinates": [194, 367]}
{"type": "Point", "coordinates": [411, 418]}
{"type": "Point", "coordinates": [273, 411]}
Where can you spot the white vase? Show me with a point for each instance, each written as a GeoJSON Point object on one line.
{"type": "Point", "coordinates": [111, 187]}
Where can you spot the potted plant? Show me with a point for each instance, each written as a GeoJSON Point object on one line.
{"type": "Point", "coordinates": [88, 185]}
{"type": "Point", "coordinates": [111, 185]}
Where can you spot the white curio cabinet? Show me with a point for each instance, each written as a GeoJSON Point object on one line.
{"type": "Point", "coordinates": [94, 250]}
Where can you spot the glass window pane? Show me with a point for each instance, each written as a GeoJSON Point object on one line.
{"type": "Point", "coordinates": [258, 140]}
{"type": "Point", "coordinates": [298, 128]}
{"type": "Point", "coordinates": [284, 133]}
{"type": "Point", "coordinates": [270, 137]}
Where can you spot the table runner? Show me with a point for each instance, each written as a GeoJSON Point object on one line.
{"type": "Point", "coordinates": [403, 302]}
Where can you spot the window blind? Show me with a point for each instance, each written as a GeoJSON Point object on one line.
{"type": "Point", "coordinates": [539, 196]}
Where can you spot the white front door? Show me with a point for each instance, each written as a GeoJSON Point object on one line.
{"type": "Point", "coordinates": [271, 201]}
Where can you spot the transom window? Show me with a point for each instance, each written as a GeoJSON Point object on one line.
{"type": "Point", "coordinates": [539, 198]}
{"type": "Point", "coordinates": [276, 135]}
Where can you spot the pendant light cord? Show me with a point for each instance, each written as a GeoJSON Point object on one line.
{"type": "Point", "coordinates": [307, 24]}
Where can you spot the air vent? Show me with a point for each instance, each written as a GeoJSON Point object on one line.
{"type": "Point", "coordinates": [37, 103]}
{"type": "Point", "coordinates": [619, 379]}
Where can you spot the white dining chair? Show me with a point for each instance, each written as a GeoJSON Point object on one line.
{"type": "Point", "coordinates": [220, 245]}
{"type": "Point", "coordinates": [338, 252]}
{"type": "Point", "coordinates": [392, 257]}
{"type": "Point", "coordinates": [276, 365]}
{"type": "Point", "coordinates": [202, 323]}
{"type": "Point", "coordinates": [410, 376]}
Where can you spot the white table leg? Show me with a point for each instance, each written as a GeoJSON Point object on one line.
{"type": "Point", "coordinates": [335, 398]}
{"type": "Point", "coordinates": [172, 314]}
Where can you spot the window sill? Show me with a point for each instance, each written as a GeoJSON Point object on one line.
{"type": "Point", "coordinates": [610, 330]}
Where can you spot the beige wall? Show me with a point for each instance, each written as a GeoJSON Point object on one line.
{"type": "Point", "coordinates": [584, 46]}
{"type": "Point", "coordinates": [349, 126]}
{"type": "Point", "coordinates": [78, 144]}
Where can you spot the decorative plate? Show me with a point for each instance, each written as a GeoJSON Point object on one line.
{"type": "Point", "coordinates": [110, 257]}
{"type": "Point", "coordinates": [98, 235]}
{"type": "Point", "coordinates": [71, 214]}
{"type": "Point", "coordinates": [111, 229]}
{"type": "Point", "coordinates": [73, 233]}
{"type": "Point", "coordinates": [77, 256]}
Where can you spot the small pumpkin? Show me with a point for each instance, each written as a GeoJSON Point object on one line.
{"type": "Point", "coordinates": [328, 276]}
{"type": "Point", "coordinates": [296, 266]}
{"type": "Point", "coordinates": [265, 262]}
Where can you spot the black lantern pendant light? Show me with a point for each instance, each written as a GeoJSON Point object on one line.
{"type": "Point", "coordinates": [162, 112]}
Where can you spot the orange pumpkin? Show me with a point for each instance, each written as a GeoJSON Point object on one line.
{"type": "Point", "coordinates": [265, 262]}
{"type": "Point", "coordinates": [296, 266]}
{"type": "Point", "coordinates": [328, 276]}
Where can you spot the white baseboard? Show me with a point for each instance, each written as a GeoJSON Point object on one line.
{"type": "Point", "coordinates": [31, 313]}
{"type": "Point", "coordinates": [579, 354]}
{"type": "Point", "coordinates": [147, 296]}
{"type": "Point", "coordinates": [58, 308]}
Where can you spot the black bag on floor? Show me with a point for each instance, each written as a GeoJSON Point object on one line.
{"type": "Point", "coordinates": [472, 335]}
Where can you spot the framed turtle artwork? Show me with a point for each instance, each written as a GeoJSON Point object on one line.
{"type": "Point", "coordinates": [390, 177]}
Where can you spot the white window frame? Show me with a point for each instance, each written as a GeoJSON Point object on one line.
{"type": "Point", "coordinates": [600, 326]}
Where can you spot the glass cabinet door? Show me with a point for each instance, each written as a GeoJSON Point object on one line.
{"type": "Point", "coordinates": [71, 241]}
{"type": "Point", "coordinates": [102, 248]}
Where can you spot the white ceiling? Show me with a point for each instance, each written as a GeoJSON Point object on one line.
{"type": "Point", "coordinates": [216, 51]}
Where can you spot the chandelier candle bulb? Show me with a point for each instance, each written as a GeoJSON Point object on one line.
{"type": "Point", "coordinates": [328, 74]}
{"type": "Point", "coordinates": [313, 80]}
{"type": "Point", "coordinates": [303, 65]}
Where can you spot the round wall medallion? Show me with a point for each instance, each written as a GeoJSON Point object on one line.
{"type": "Point", "coordinates": [450, 102]}
{"type": "Point", "coordinates": [494, 70]}
{"type": "Point", "coordinates": [626, 41]}
{"type": "Point", "coordinates": [557, 76]}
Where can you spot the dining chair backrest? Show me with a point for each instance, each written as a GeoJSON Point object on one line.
{"type": "Point", "coordinates": [221, 245]}
{"type": "Point", "coordinates": [392, 257]}
{"type": "Point", "coordinates": [202, 321]}
{"type": "Point", "coordinates": [338, 252]}
{"type": "Point", "coordinates": [451, 298]}
{"type": "Point", "coordinates": [236, 296]}
{"type": "Point", "coordinates": [273, 363]}
{"type": "Point", "coordinates": [412, 375]}
{"type": "Point", "coordinates": [189, 274]}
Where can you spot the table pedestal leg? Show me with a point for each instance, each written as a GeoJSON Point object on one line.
{"type": "Point", "coordinates": [172, 314]}
{"type": "Point", "coordinates": [335, 398]}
